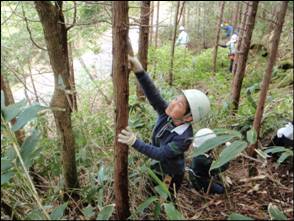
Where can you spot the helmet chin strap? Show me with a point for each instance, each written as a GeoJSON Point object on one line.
{"type": "Point", "coordinates": [182, 120]}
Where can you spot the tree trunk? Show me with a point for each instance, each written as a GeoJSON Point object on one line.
{"type": "Point", "coordinates": [20, 135]}
{"type": "Point", "coordinates": [55, 33]}
{"type": "Point", "coordinates": [236, 15]}
{"type": "Point", "coordinates": [183, 14]}
{"type": "Point", "coordinates": [121, 94]}
{"type": "Point", "coordinates": [217, 36]}
{"type": "Point", "coordinates": [157, 24]}
{"type": "Point", "coordinates": [170, 80]}
{"type": "Point", "coordinates": [72, 78]}
{"type": "Point", "coordinates": [240, 38]}
{"type": "Point", "coordinates": [243, 55]}
{"type": "Point", "coordinates": [143, 43]}
{"type": "Point", "coordinates": [268, 74]}
{"type": "Point", "coordinates": [151, 23]}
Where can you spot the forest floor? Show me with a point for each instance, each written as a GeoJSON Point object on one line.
{"type": "Point", "coordinates": [248, 196]}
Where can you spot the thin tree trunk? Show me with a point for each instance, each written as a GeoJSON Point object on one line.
{"type": "Point", "coordinates": [240, 38]}
{"type": "Point", "coordinates": [72, 78]}
{"type": "Point", "coordinates": [157, 24]}
{"type": "Point", "coordinates": [217, 36]}
{"type": "Point", "coordinates": [55, 33]}
{"type": "Point", "coordinates": [268, 74]}
{"type": "Point", "coordinates": [236, 14]}
{"type": "Point", "coordinates": [170, 80]}
{"type": "Point", "coordinates": [243, 55]}
{"type": "Point", "coordinates": [33, 83]}
{"type": "Point", "coordinates": [151, 23]}
{"type": "Point", "coordinates": [143, 43]}
{"type": "Point", "coordinates": [20, 134]}
{"type": "Point", "coordinates": [121, 94]}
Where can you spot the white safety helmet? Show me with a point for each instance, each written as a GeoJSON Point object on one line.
{"type": "Point", "coordinates": [201, 136]}
{"type": "Point", "coordinates": [198, 102]}
{"type": "Point", "coordinates": [182, 28]}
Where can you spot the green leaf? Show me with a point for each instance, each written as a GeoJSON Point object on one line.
{"type": "Point", "coordinates": [106, 212]}
{"type": "Point", "coordinates": [229, 153]}
{"type": "Point", "coordinates": [27, 115]}
{"type": "Point", "coordinates": [88, 211]}
{"type": "Point", "coordinates": [58, 212]}
{"type": "Point", "coordinates": [222, 131]}
{"type": "Point", "coordinates": [161, 184]}
{"type": "Point", "coordinates": [172, 213]}
{"type": "Point", "coordinates": [275, 213]}
{"type": "Point", "coordinates": [28, 147]}
{"type": "Point", "coordinates": [212, 143]}
{"type": "Point", "coordinates": [35, 214]}
{"type": "Point", "coordinates": [237, 216]}
{"type": "Point", "coordinates": [5, 178]}
{"type": "Point", "coordinates": [5, 164]}
{"type": "Point", "coordinates": [252, 136]}
{"type": "Point", "coordinates": [157, 210]}
{"type": "Point", "coordinates": [13, 110]}
{"type": "Point", "coordinates": [161, 192]}
{"type": "Point", "coordinates": [284, 156]}
{"type": "Point", "coordinates": [275, 149]}
{"type": "Point", "coordinates": [146, 203]}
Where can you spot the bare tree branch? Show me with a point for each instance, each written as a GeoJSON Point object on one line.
{"type": "Point", "coordinates": [30, 33]}
{"type": "Point", "coordinates": [74, 18]}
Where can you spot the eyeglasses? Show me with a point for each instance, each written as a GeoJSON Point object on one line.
{"type": "Point", "coordinates": [167, 127]}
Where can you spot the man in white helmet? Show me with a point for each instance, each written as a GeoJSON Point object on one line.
{"type": "Point", "coordinates": [183, 38]}
{"type": "Point", "coordinates": [172, 133]}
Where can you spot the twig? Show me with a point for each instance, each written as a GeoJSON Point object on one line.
{"type": "Point", "coordinates": [28, 29]}
{"type": "Point", "coordinates": [13, 12]}
{"type": "Point", "coordinates": [74, 18]}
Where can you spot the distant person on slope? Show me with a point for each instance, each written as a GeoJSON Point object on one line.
{"type": "Point", "coordinates": [183, 38]}
{"type": "Point", "coordinates": [173, 133]}
{"type": "Point", "coordinates": [232, 45]}
{"type": "Point", "coordinates": [228, 28]}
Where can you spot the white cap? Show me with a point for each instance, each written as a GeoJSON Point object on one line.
{"type": "Point", "coordinates": [182, 28]}
{"type": "Point", "coordinates": [201, 136]}
{"type": "Point", "coordinates": [198, 102]}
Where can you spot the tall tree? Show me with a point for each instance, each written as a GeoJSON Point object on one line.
{"type": "Point", "coordinates": [171, 66]}
{"type": "Point", "coordinates": [236, 15]}
{"type": "Point", "coordinates": [20, 135]}
{"type": "Point", "coordinates": [241, 35]}
{"type": "Point", "coordinates": [243, 55]}
{"type": "Point", "coordinates": [217, 36]}
{"type": "Point", "coordinates": [143, 42]}
{"type": "Point", "coordinates": [120, 48]}
{"type": "Point", "coordinates": [151, 23]}
{"type": "Point", "coordinates": [268, 74]}
{"type": "Point", "coordinates": [157, 24]}
{"type": "Point", "coordinates": [55, 33]}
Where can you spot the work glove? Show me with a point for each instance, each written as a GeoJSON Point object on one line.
{"type": "Point", "coordinates": [135, 64]}
{"type": "Point", "coordinates": [126, 136]}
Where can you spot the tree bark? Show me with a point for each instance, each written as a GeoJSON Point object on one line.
{"type": "Point", "coordinates": [243, 55]}
{"type": "Point", "coordinates": [121, 94]}
{"type": "Point", "coordinates": [236, 15]}
{"type": "Point", "coordinates": [20, 134]}
{"type": "Point", "coordinates": [55, 33]}
{"type": "Point", "coordinates": [157, 24]}
{"type": "Point", "coordinates": [240, 38]}
{"type": "Point", "coordinates": [151, 23]}
{"type": "Point", "coordinates": [217, 36]}
{"type": "Point", "coordinates": [268, 74]}
{"type": "Point", "coordinates": [143, 43]}
{"type": "Point", "coordinates": [170, 80]}
{"type": "Point", "coordinates": [72, 78]}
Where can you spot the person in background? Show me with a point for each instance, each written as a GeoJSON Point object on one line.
{"type": "Point", "coordinates": [232, 45]}
{"type": "Point", "coordinates": [183, 38]}
{"type": "Point", "coordinates": [173, 133]}
{"type": "Point", "coordinates": [228, 28]}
